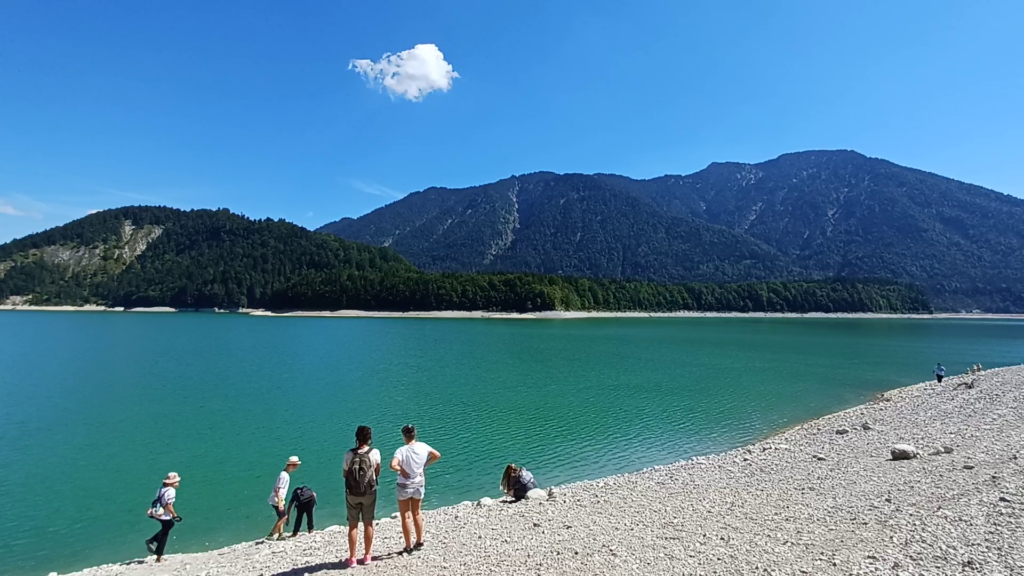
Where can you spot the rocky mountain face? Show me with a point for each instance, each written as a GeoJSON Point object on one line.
{"type": "Point", "coordinates": [801, 215]}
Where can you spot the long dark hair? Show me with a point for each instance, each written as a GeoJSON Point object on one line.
{"type": "Point", "coordinates": [506, 477]}
{"type": "Point", "coordinates": [364, 436]}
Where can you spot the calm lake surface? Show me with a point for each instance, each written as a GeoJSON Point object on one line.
{"type": "Point", "coordinates": [97, 407]}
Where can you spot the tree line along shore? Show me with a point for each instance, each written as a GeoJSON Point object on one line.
{"type": "Point", "coordinates": [143, 257]}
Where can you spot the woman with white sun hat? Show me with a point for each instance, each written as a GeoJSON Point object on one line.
{"type": "Point", "coordinates": [162, 510]}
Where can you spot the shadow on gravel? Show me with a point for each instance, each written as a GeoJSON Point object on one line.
{"type": "Point", "coordinates": [339, 565]}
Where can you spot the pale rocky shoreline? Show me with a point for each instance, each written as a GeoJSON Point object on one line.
{"type": "Point", "coordinates": [482, 314]}
{"type": "Point", "coordinates": [823, 497]}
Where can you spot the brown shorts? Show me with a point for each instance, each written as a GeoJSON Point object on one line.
{"type": "Point", "coordinates": [361, 506]}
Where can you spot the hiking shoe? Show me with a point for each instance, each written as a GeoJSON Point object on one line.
{"type": "Point", "coordinates": [350, 563]}
{"type": "Point", "coordinates": [151, 546]}
{"type": "Point", "coordinates": [417, 546]}
{"type": "Point", "coordinates": [407, 550]}
{"type": "Point", "coordinates": [367, 560]}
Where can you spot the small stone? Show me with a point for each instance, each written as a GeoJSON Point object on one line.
{"type": "Point", "coordinates": [551, 494]}
{"type": "Point", "coordinates": [866, 426]}
{"type": "Point", "coordinates": [843, 430]}
{"type": "Point", "coordinates": [936, 452]}
{"type": "Point", "coordinates": [536, 524]}
{"type": "Point", "coordinates": [537, 494]}
{"type": "Point", "coordinates": [1003, 498]}
{"type": "Point", "coordinates": [484, 502]}
{"type": "Point", "coordinates": [819, 458]}
{"type": "Point", "coordinates": [903, 452]}
{"type": "Point", "coordinates": [968, 466]}
{"type": "Point", "coordinates": [947, 449]}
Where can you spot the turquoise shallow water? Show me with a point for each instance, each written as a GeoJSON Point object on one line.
{"type": "Point", "coordinates": [96, 408]}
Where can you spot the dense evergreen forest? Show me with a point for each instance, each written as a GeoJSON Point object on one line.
{"type": "Point", "coordinates": [146, 256]}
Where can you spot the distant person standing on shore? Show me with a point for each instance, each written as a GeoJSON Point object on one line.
{"type": "Point", "coordinates": [410, 462]}
{"type": "Point", "coordinates": [940, 372]}
{"type": "Point", "coordinates": [279, 495]}
{"type": "Point", "coordinates": [361, 470]}
{"type": "Point", "coordinates": [162, 509]}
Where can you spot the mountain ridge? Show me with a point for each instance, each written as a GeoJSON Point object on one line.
{"type": "Point", "coordinates": [817, 213]}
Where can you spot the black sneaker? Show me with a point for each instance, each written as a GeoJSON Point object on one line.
{"type": "Point", "coordinates": [417, 546]}
{"type": "Point", "coordinates": [407, 550]}
{"type": "Point", "coordinates": [151, 546]}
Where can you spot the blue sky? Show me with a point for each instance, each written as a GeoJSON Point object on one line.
{"type": "Point", "coordinates": [253, 105]}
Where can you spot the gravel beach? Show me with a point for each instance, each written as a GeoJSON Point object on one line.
{"type": "Point", "coordinates": [821, 498]}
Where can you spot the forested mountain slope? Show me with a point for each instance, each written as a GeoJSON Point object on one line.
{"type": "Point", "coordinates": [802, 215]}
{"type": "Point", "coordinates": [152, 256]}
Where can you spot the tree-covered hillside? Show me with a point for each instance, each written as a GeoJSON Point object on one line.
{"type": "Point", "coordinates": [805, 215]}
{"type": "Point", "coordinates": [201, 259]}
{"type": "Point", "coordinates": [143, 256]}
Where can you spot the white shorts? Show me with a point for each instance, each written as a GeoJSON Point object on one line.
{"type": "Point", "coordinates": [407, 492]}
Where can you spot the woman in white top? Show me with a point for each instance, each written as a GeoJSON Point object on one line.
{"type": "Point", "coordinates": [162, 509]}
{"type": "Point", "coordinates": [410, 462]}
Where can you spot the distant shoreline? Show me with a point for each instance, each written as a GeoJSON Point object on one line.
{"type": "Point", "coordinates": [481, 314]}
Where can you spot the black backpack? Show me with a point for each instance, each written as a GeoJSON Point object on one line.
{"type": "Point", "coordinates": [360, 479]}
{"type": "Point", "coordinates": [304, 495]}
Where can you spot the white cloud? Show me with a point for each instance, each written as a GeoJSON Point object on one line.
{"type": "Point", "coordinates": [376, 189]}
{"type": "Point", "coordinates": [11, 210]}
{"type": "Point", "coordinates": [411, 74]}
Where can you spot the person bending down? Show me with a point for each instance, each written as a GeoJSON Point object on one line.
{"type": "Point", "coordinates": [304, 501]}
{"type": "Point", "coordinates": [516, 481]}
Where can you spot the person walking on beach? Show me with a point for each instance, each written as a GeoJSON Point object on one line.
{"type": "Point", "coordinates": [940, 372]}
{"type": "Point", "coordinates": [279, 495]}
{"type": "Point", "coordinates": [361, 471]}
{"type": "Point", "coordinates": [303, 500]}
{"type": "Point", "coordinates": [410, 462]}
{"type": "Point", "coordinates": [162, 509]}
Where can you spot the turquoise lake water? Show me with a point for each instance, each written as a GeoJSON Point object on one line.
{"type": "Point", "coordinates": [97, 407]}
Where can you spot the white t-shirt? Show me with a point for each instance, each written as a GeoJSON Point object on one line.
{"type": "Point", "coordinates": [374, 459]}
{"type": "Point", "coordinates": [166, 496]}
{"type": "Point", "coordinates": [280, 488]}
{"type": "Point", "coordinates": [413, 459]}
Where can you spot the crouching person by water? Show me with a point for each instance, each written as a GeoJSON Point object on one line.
{"type": "Point", "coordinates": [303, 500]}
{"type": "Point", "coordinates": [361, 470]}
{"type": "Point", "coordinates": [410, 462]}
{"type": "Point", "coordinates": [516, 481]}
{"type": "Point", "coordinates": [162, 510]}
{"type": "Point", "coordinates": [279, 495]}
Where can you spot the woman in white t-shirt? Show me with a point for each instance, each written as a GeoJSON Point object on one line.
{"type": "Point", "coordinates": [162, 510]}
{"type": "Point", "coordinates": [411, 461]}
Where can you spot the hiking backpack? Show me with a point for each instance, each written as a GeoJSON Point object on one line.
{"type": "Point", "coordinates": [156, 507]}
{"type": "Point", "coordinates": [304, 495]}
{"type": "Point", "coordinates": [360, 480]}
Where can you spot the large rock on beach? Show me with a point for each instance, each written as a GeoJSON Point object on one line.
{"type": "Point", "coordinates": [903, 452]}
{"type": "Point", "coordinates": [537, 494]}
